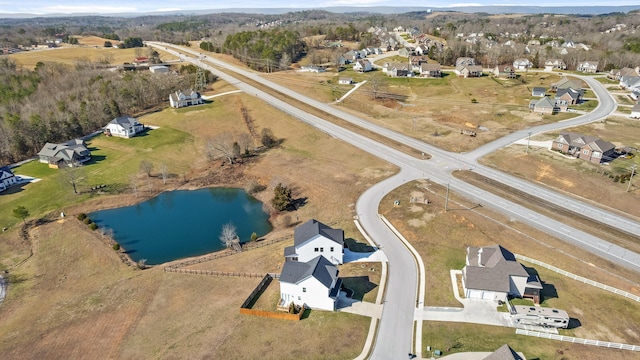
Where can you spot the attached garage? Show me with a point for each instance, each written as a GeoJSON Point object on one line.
{"type": "Point", "coordinates": [474, 294]}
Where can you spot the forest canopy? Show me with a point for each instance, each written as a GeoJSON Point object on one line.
{"type": "Point", "coordinates": [55, 103]}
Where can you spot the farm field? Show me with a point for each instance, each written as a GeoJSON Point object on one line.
{"type": "Point", "coordinates": [71, 54]}
{"type": "Point", "coordinates": [441, 238]}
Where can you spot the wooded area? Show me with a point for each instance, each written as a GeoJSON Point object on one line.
{"type": "Point", "coordinates": [55, 103]}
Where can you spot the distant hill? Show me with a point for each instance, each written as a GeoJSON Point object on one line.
{"type": "Point", "coordinates": [563, 10]}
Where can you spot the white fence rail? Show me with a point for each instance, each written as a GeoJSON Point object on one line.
{"type": "Point", "coordinates": [571, 339]}
{"type": "Point", "coordinates": [580, 278]}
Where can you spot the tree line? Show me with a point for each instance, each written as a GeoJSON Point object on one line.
{"type": "Point", "coordinates": [265, 50]}
{"type": "Point", "coordinates": [56, 103]}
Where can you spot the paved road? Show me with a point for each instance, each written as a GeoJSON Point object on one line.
{"type": "Point", "coordinates": [394, 339]}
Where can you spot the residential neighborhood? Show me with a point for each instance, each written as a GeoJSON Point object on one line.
{"type": "Point", "coordinates": [71, 153]}
{"type": "Point", "coordinates": [330, 184]}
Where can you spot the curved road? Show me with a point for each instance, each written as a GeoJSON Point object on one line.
{"type": "Point", "coordinates": [394, 338]}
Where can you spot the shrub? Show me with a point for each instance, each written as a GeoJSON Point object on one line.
{"type": "Point", "coordinates": [254, 236]}
{"type": "Point", "coordinates": [255, 187]}
{"type": "Point", "coordinates": [116, 246]}
{"type": "Point", "coordinates": [93, 226]}
{"type": "Point", "coordinates": [474, 101]}
{"type": "Point", "coordinates": [87, 221]}
{"type": "Point", "coordinates": [82, 216]}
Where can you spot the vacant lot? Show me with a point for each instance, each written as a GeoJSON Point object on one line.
{"type": "Point", "coordinates": [441, 238]}
{"type": "Point", "coordinates": [579, 177]}
{"type": "Point", "coordinates": [72, 54]}
{"type": "Point", "coordinates": [435, 110]}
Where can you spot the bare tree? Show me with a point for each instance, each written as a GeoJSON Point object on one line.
{"type": "Point", "coordinates": [146, 166]}
{"type": "Point", "coordinates": [229, 237]}
{"type": "Point", "coordinates": [245, 141]}
{"type": "Point", "coordinates": [133, 179]}
{"type": "Point", "coordinates": [73, 174]}
{"type": "Point", "coordinates": [222, 145]}
{"type": "Point", "coordinates": [164, 173]}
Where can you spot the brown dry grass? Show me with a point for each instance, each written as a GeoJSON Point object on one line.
{"type": "Point", "coordinates": [69, 55]}
{"type": "Point", "coordinates": [441, 239]}
{"type": "Point", "coordinates": [576, 176]}
{"type": "Point", "coordinates": [438, 106]}
{"type": "Point", "coordinates": [74, 298]}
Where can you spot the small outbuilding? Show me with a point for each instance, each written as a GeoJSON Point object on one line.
{"type": "Point", "coordinates": [159, 69]}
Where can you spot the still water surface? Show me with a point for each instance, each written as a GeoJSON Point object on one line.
{"type": "Point", "coordinates": [183, 223]}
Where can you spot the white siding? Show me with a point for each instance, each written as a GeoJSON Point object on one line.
{"type": "Point", "coordinates": [307, 250]}
{"type": "Point", "coordinates": [309, 292]}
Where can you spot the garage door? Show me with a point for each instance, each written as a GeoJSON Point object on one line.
{"type": "Point", "coordinates": [475, 294]}
{"type": "Point", "coordinates": [488, 295]}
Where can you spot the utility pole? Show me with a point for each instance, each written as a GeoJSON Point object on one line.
{"type": "Point", "coordinates": [633, 171]}
{"type": "Point", "coordinates": [528, 140]}
{"type": "Point", "coordinates": [446, 198]}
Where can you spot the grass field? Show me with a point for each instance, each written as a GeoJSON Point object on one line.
{"type": "Point", "coordinates": [71, 54]}
{"type": "Point", "coordinates": [434, 110]}
{"type": "Point", "coordinates": [75, 298]}
{"type": "Point", "coordinates": [576, 176]}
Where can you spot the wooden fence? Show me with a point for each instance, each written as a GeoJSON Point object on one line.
{"type": "Point", "coordinates": [212, 272]}
{"type": "Point", "coordinates": [273, 315]}
{"type": "Point", "coordinates": [244, 309]}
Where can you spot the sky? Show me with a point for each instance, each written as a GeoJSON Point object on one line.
{"type": "Point", "coordinates": [42, 7]}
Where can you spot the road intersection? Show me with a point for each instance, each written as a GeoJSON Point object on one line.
{"type": "Point", "coordinates": [395, 338]}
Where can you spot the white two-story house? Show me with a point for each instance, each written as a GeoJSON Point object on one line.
{"type": "Point", "coordinates": [314, 284]}
{"type": "Point", "coordinates": [124, 126]}
{"type": "Point", "coordinates": [313, 239]}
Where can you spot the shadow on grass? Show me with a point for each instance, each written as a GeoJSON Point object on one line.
{"type": "Point", "coordinates": [359, 285]}
{"type": "Point", "coordinates": [356, 246]}
{"type": "Point", "coordinates": [573, 323]}
{"type": "Point", "coordinates": [548, 291]}
{"type": "Point", "coordinates": [95, 159]}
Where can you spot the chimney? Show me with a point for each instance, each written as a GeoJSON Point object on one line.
{"type": "Point", "coordinates": [480, 258]}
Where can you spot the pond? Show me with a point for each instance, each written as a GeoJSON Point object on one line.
{"type": "Point", "coordinates": [183, 223]}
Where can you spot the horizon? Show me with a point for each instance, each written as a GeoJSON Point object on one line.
{"type": "Point", "coordinates": [119, 7]}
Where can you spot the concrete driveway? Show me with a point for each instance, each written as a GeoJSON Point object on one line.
{"type": "Point", "coordinates": [475, 311]}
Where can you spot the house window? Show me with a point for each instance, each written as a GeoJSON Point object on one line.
{"type": "Point", "coordinates": [321, 249]}
{"type": "Point", "coordinates": [560, 146]}
{"type": "Point", "coordinates": [332, 249]}
{"type": "Point", "coordinates": [315, 249]}
{"type": "Point", "coordinates": [304, 289]}
{"type": "Point", "coordinates": [586, 152]}
{"type": "Point", "coordinates": [299, 298]}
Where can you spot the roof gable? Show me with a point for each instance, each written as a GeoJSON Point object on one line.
{"type": "Point", "coordinates": [312, 228]}
{"type": "Point", "coordinates": [320, 268]}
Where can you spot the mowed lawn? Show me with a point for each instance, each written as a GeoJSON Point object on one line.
{"type": "Point", "coordinates": [113, 161]}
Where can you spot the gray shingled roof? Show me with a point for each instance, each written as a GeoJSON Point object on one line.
{"type": "Point", "coordinates": [65, 150]}
{"type": "Point", "coordinates": [594, 142]}
{"type": "Point", "coordinates": [124, 121]}
{"type": "Point", "coordinates": [313, 227]}
{"type": "Point", "coordinates": [575, 94]}
{"type": "Point", "coordinates": [505, 352]}
{"type": "Point", "coordinates": [490, 268]}
{"type": "Point", "coordinates": [289, 251]}
{"type": "Point", "coordinates": [323, 270]}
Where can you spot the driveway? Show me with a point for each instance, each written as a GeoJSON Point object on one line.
{"type": "Point", "coordinates": [475, 311]}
